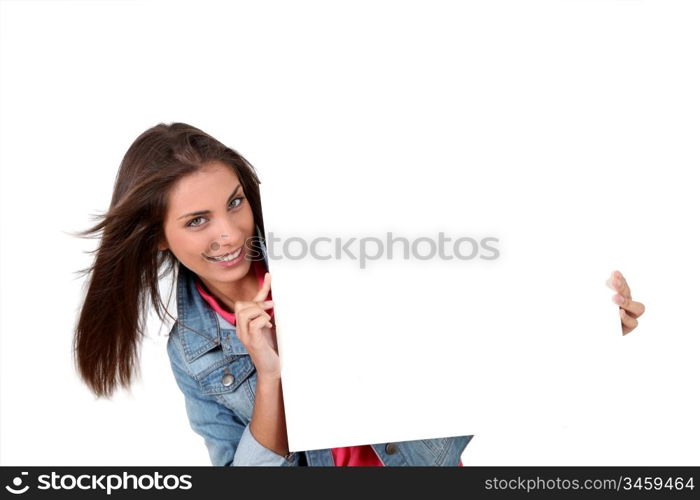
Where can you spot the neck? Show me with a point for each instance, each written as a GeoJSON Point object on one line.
{"type": "Point", "coordinates": [228, 293]}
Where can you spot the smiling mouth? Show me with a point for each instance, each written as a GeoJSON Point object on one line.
{"type": "Point", "coordinates": [226, 257]}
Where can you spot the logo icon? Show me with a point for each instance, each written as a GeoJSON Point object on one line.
{"type": "Point", "coordinates": [17, 482]}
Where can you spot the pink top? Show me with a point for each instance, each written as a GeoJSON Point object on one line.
{"type": "Point", "coordinates": [214, 303]}
{"type": "Point", "coordinates": [350, 456]}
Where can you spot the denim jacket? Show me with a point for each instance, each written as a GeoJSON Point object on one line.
{"type": "Point", "coordinates": [217, 377]}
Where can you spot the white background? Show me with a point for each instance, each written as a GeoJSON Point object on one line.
{"type": "Point", "coordinates": [571, 124]}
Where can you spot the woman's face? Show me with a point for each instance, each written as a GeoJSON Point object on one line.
{"type": "Point", "coordinates": [208, 216]}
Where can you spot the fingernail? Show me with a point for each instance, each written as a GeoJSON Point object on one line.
{"type": "Point", "coordinates": [268, 303]}
{"type": "Point", "coordinates": [269, 325]}
{"type": "Point", "coordinates": [619, 299]}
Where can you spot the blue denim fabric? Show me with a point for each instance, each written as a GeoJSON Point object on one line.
{"type": "Point", "coordinates": [218, 380]}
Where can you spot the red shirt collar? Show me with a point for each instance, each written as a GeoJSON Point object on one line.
{"type": "Point", "coordinates": [260, 271]}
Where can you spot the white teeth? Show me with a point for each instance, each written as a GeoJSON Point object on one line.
{"type": "Point", "coordinates": [228, 257]}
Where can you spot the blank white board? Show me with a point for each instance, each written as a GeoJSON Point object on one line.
{"type": "Point", "coordinates": [563, 129]}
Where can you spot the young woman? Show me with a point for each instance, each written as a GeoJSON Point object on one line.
{"type": "Point", "coordinates": [187, 205]}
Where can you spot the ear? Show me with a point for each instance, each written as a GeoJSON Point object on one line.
{"type": "Point", "coordinates": [162, 245]}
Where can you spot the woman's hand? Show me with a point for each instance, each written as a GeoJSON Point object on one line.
{"type": "Point", "coordinates": [255, 332]}
{"type": "Point", "coordinates": [629, 309]}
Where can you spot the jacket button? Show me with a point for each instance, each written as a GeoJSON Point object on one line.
{"type": "Point", "coordinates": [227, 379]}
{"type": "Point", "coordinates": [390, 448]}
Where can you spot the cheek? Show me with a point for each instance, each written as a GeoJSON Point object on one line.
{"type": "Point", "coordinates": [187, 245]}
{"type": "Point", "coordinates": [249, 224]}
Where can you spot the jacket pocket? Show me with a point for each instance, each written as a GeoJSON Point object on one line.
{"type": "Point", "coordinates": [226, 375]}
{"type": "Point", "coordinates": [436, 446]}
{"type": "Point", "coordinates": [446, 451]}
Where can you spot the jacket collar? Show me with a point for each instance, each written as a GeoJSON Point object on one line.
{"type": "Point", "coordinates": [199, 326]}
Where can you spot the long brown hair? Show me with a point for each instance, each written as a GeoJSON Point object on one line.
{"type": "Point", "coordinates": [128, 264]}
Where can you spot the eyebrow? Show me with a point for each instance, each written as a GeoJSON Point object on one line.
{"type": "Point", "coordinates": [207, 212]}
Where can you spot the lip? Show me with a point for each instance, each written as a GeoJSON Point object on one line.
{"type": "Point", "coordinates": [218, 256]}
{"type": "Point", "coordinates": [232, 263]}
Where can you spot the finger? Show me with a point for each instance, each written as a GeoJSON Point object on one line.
{"type": "Point", "coordinates": [250, 313]}
{"type": "Point", "coordinates": [255, 327]}
{"type": "Point", "coordinates": [264, 318]}
{"type": "Point", "coordinates": [242, 305]}
{"type": "Point", "coordinates": [634, 309]}
{"type": "Point", "coordinates": [613, 276]}
{"type": "Point", "coordinates": [627, 287]}
{"type": "Point", "coordinates": [264, 289]}
{"type": "Point", "coordinates": [619, 284]}
{"type": "Point", "coordinates": [247, 325]}
{"type": "Point", "coordinates": [265, 304]}
{"type": "Point", "coordinates": [241, 329]}
{"type": "Point", "coordinates": [628, 322]}
{"type": "Point", "coordinates": [608, 282]}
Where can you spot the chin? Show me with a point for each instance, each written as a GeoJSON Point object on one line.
{"type": "Point", "coordinates": [220, 272]}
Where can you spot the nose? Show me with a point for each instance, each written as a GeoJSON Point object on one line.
{"type": "Point", "coordinates": [226, 235]}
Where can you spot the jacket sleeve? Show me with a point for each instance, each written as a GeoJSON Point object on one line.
{"type": "Point", "coordinates": [228, 439]}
